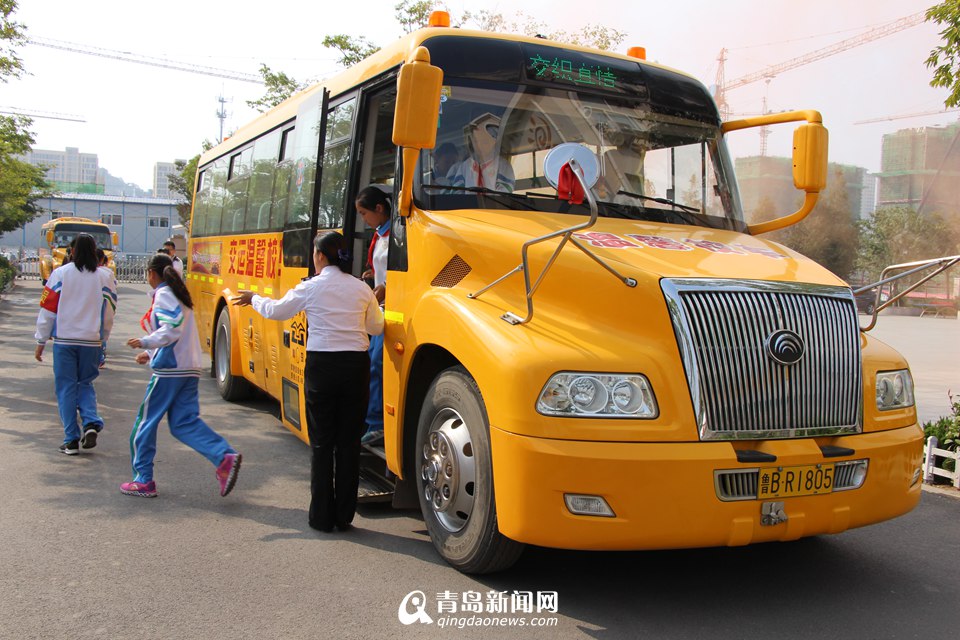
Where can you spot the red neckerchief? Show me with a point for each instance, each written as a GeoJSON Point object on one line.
{"type": "Point", "coordinates": [373, 243]}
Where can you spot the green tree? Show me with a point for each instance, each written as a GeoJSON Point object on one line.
{"type": "Point", "coordinates": [21, 184]}
{"type": "Point", "coordinates": [184, 181]}
{"type": "Point", "coordinates": [414, 14]}
{"type": "Point", "coordinates": [279, 87]}
{"type": "Point", "coordinates": [11, 36]}
{"type": "Point", "coordinates": [352, 50]}
{"type": "Point", "coordinates": [828, 235]}
{"type": "Point", "coordinates": [945, 58]}
{"type": "Point", "coordinates": [895, 235]}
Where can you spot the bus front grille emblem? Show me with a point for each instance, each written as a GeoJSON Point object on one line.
{"type": "Point", "coordinates": [785, 347]}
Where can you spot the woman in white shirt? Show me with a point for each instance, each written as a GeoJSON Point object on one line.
{"type": "Point", "coordinates": [341, 311]}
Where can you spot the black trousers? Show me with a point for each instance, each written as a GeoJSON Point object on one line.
{"type": "Point", "coordinates": [337, 386]}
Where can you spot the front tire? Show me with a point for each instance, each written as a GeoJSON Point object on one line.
{"type": "Point", "coordinates": [231, 387]}
{"type": "Point", "coordinates": [455, 477]}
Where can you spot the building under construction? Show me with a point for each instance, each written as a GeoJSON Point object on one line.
{"type": "Point", "coordinates": [919, 169]}
{"type": "Point", "coordinates": [767, 181]}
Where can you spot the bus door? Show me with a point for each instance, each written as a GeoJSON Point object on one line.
{"type": "Point", "coordinates": [377, 159]}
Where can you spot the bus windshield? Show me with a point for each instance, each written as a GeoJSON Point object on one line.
{"type": "Point", "coordinates": [64, 234]}
{"type": "Point", "coordinates": [493, 137]}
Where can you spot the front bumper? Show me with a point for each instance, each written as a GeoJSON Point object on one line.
{"type": "Point", "coordinates": [664, 495]}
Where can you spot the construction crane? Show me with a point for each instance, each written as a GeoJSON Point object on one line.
{"type": "Point", "coordinates": [139, 59]}
{"type": "Point", "coordinates": [49, 115]}
{"type": "Point", "coordinates": [906, 115]}
{"type": "Point", "coordinates": [722, 87]}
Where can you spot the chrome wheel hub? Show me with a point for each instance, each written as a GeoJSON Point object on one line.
{"type": "Point", "coordinates": [448, 470]}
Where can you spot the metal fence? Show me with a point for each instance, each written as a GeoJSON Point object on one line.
{"type": "Point", "coordinates": [129, 268]}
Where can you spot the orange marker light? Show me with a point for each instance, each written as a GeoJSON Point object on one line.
{"type": "Point", "coordinates": [439, 19]}
{"type": "Point", "coordinates": [637, 52]}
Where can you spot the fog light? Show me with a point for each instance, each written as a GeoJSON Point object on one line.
{"type": "Point", "coordinates": [582, 505]}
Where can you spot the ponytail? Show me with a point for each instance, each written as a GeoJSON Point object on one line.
{"type": "Point", "coordinates": [162, 265]}
{"type": "Point", "coordinates": [334, 247]}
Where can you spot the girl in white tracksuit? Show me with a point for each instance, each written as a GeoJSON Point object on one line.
{"type": "Point", "coordinates": [173, 350]}
{"type": "Point", "coordinates": [76, 310]}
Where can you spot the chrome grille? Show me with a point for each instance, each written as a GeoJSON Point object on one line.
{"type": "Point", "coordinates": [738, 390]}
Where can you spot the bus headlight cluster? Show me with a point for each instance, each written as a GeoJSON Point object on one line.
{"type": "Point", "coordinates": [602, 395]}
{"type": "Point", "coordinates": [894, 389]}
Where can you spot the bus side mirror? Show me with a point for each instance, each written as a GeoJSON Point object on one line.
{"type": "Point", "coordinates": [115, 238]}
{"type": "Point", "coordinates": [810, 157]}
{"type": "Point", "coordinates": [416, 115]}
{"type": "Point", "coordinates": [809, 160]}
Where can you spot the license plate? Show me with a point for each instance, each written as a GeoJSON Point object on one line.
{"type": "Point", "coordinates": [788, 482]}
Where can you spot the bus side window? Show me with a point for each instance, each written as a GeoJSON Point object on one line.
{"type": "Point", "coordinates": [281, 180]}
{"type": "Point", "coordinates": [260, 192]}
{"type": "Point", "coordinates": [336, 165]}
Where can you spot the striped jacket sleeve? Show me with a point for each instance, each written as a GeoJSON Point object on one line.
{"type": "Point", "coordinates": [168, 315]}
{"type": "Point", "coordinates": [49, 303]}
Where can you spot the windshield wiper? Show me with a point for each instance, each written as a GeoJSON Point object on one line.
{"type": "Point", "coordinates": [516, 197]}
{"type": "Point", "coordinates": [681, 209]}
{"type": "Point", "coordinates": [660, 200]}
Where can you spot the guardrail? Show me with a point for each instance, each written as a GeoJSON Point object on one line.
{"type": "Point", "coordinates": [128, 269]}
{"type": "Point", "coordinates": [930, 469]}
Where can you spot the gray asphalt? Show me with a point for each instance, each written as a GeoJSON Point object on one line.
{"type": "Point", "coordinates": [80, 560]}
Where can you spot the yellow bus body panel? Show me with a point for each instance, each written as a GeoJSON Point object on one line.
{"type": "Point", "coordinates": [663, 493]}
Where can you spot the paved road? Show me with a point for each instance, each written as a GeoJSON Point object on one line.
{"type": "Point", "coordinates": [80, 560]}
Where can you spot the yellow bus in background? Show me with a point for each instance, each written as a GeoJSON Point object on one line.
{"type": "Point", "coordinates": [57, 234]}
{"type": "Point", "coordinates": [636, 370]}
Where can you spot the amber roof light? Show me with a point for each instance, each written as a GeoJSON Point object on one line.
{"type": "Point", "coordinates": [637, 52]}
{"type": "Point", "coordinates": [439, 19]}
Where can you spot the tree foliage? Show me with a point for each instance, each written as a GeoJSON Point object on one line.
{"type": "Point", "coordinates": [184, 181]}
{"type": "Point", "coordinates": [945, 58]}
{"type": "Point", "coordinates": [899, 234]}
{"type": "Point", "coordinates": [828, 235]}
{"type": "Point", "coordinates": [590, 35]}
{"type": "Point", "coordinates": [11, 36]}
{"type": "Point", "coordinates": [414, 14]}
{"type": "Point", "coordinates": [279, 87]}
{"type": "Point", "coordinates": [21, 184]}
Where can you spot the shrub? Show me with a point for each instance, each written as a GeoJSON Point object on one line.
{"type": "Point", "coordinates": [947, 432]}
{"type": "Point", "coordinates": [7, 273]}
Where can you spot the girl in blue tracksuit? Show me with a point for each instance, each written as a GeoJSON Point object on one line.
{"type": "Point", "coordinates": [173, 351]}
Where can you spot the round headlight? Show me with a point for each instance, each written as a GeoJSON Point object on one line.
{"type": "Point", "coordinates": [627, 396]}
{"type": "Point", "coordinates": [588, 394]}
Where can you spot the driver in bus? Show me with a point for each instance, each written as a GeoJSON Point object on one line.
{"type": "Point", "coordinates": [484, 167]}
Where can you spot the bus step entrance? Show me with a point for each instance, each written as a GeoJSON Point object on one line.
{"type": "Point", "coordinates": [376, 483]}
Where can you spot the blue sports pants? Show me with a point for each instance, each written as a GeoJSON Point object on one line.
{"type": "Point", "coordinates": [177, 398]}
{"type": "Point", "coordinates": [75, 368]}
{"type": "Point", "coordinates": [375, 403]}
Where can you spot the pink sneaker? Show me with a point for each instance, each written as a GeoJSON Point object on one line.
{"type": "Point", "coordinates": [227, 472]}
{"type": "Point", "coordinates": [142, 489]}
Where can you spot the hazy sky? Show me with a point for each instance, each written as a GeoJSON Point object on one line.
{"type": "Point", "coordinates": [137, 115]}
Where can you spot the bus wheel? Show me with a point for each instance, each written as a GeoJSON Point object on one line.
{"type": "Point", "coordinates": [231, 387]}
{"type": "Point", "coordinates": [455, 477]}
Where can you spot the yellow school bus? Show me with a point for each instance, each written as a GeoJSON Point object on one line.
{"type": "Point", "coordinates": [587, 347]}
{"type": "Point", "coordinates": [57, 234]}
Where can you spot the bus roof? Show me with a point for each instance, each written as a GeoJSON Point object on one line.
{"type": "Point", "coordinates": [56, 221]}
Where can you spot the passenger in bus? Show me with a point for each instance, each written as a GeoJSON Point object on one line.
{"type": "Point", "coordinates": [173, 351]}
{"type": "Point", "coordinates": [76, 310]}
{"type": "Point", "coordinates": [341, 312]}
{"type": "Point", "coordinates": [373, 205]}
{"type": "Point", "coordinates": [444, 157]}
{"type": "Point", "coordinates": [485, 166]}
